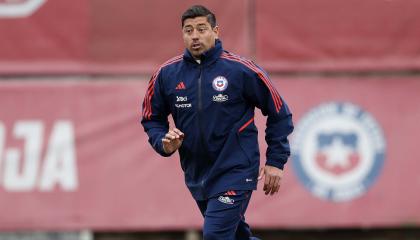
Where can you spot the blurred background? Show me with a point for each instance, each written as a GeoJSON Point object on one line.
{"type": "Point", "coordinates": [75, 163]}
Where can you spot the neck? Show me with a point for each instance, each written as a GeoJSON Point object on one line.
{"type": "Point", "coordinates": [207, 56]}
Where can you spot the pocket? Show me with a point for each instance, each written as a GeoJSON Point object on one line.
{"type": "Point", "coordinates": [247, 136]}
{"type": "Point", "coordinates": [249, 122]}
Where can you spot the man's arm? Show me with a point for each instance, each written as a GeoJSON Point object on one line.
{"type": "Point", "coordinates": [260, 92]}
{"type": "Point", "coordinates": [155, 115]}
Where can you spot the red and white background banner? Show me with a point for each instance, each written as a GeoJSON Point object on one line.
{"type": "Point", "coordinates": [74, 156]}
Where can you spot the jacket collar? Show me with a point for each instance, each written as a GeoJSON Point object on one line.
{"type": "Point", "coordinates": [207, 57]}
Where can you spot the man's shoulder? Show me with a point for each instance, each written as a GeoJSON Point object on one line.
{"type": "Point", "coordinates": [242, 62]}
{"type": "Point", "coordinates": [172, 61]}
{"type": "Point", "coordinates": [232, 56]}
{"type": "Point", "coordinates": [169, 63]}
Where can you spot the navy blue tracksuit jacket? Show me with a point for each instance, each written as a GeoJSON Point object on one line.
{"type": "Point", "coordinates": [213, 104]}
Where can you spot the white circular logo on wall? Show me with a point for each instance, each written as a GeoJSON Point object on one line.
{"type": "Point", "coordinates": [338, 151]}
{"type": "Point", "coordinates": [20, 8]}
{"type": "Point", "coordinates": [220, 83]}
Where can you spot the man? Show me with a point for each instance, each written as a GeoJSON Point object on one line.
{"type": "Point", "coordinates": [211, 95]}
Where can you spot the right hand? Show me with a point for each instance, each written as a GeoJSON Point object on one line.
{"type": "Point", "coordinates": [172, 140]}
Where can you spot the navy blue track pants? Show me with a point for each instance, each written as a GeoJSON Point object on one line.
{"type": "Point", "coordinates": [224, 216]}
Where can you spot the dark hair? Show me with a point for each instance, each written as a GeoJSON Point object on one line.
{"type": "Point", "coordinates": [199, 11]}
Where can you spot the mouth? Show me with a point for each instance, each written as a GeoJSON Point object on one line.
{"type": "Point", "coordinates": [196, 46]}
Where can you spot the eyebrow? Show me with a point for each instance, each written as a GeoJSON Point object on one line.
{"type": "Point", "coordinates": [198, 25]}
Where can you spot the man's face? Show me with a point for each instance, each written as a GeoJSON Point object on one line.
{"type": "Point", "coordinates": [198, 35]}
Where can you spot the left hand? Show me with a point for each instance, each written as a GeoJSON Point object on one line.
{"type": "Point", "coordinates": [272, 179]}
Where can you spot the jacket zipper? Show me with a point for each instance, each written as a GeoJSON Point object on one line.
{"type": "Point", "coordinates": [200, 108]}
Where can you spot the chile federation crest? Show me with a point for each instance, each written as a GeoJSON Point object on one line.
{"type": "Point", "coordinates": [220, 83]}
{"type": "Point", "coordinates": [338, 151]}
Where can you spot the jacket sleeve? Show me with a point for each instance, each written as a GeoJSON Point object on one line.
{"type": "Point", "coordinates": [260, 92]}
{"type": "Point", "coordinates": [155, 113]}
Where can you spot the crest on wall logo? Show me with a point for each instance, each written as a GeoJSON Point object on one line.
{"type": "Point", "coordinates": [19, 8]}
{"type": "Point", "coordinates": [338, 151]}
{"type": "Point", "coordinates": [220, 83]}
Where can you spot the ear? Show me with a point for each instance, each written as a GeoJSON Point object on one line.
{"type": "Point", "coordinates": [216, 31]}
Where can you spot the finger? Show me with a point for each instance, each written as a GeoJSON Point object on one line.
{"type": "Point", "coordinates": [273, 185]}
{"type": "Point", "coordinates": [173, 133]}
{"type": "Point", "coordinates": [276, 186]}
{"type": "Point", "coordinates": [270, 183]}
{"type": "Point", "coordinates": [266, 183]}
{"type": "Point", "coordinates": [260, 176]}
{"type": "Point", "coordinates": [279, 183]}
{"type": "Point", "coordinates": [170, 136]}
{"type": "Point", "coordinates": [176, 134]}
{"type": "Point", "coordinates": [166, 143]}
{"type": "Point", "coordinates": [177, 131]}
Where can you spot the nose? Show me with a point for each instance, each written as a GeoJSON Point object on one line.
{"type": "Point", "coordinates": [194, 35]}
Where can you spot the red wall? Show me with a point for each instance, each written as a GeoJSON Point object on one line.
{"type": "Point", "coordinates": [107, 36]}
{"type": "Point", "coordinates": [135, 36]}
{"type": "Point", "coordinates": [297, 35]}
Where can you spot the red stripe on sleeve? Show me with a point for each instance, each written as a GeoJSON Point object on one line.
{"type": "Point", "coordinates": [274, 94]}
{"type": "Point", "coordinates": [263, 76]}
{"type": "Point", "coordinates": [260, 73]}
{"type": "Point", "coordinates": [147, 106]}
